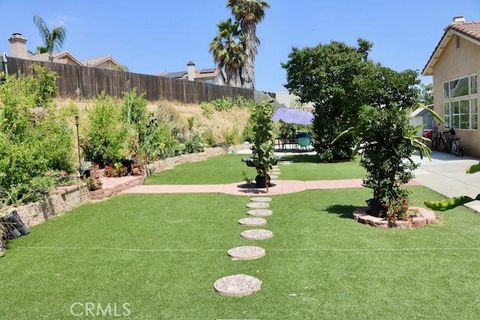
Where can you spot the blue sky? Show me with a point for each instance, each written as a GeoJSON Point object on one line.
{"type": "Point", "coordinates": [159, 36]}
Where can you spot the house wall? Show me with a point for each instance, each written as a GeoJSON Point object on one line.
{"type": "Point", "coordinates": [455, 63]}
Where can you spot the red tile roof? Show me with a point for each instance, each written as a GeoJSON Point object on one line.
{"type": "Point", "coordinates": [470, 29]}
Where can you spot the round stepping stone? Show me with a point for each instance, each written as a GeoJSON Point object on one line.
{"type": "Point", "coordinates": [239, 285]}
{"type": "Point", "coordinates": [246, 253]}
{"type": "Point", "coordinates": [253, 222]}
{"type": "Point", "coordinates": [258, 205]}
{"type": "Point", "coordinates": [256, 234]}
{"type": "Point", "coordinates": [261, 199]}
{"type": "Point", "coordinates": [260, 212]}
{"type": "Point", "coordinates": [274, 176]}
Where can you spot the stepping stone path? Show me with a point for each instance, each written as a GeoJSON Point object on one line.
{"type": "Point", "coordinates": [260, 212]}
{"type": "Point", "coordinates": [253, 222]}
{"type": "Point", "coordinates": [258, 205]}
{"type": "Point", "coordinates": [242, 285]}
{"type": "Point", "coordinates": [256, 234]}
{"type": "Point", "coordinates": [246, 253]}
{"type": "Point", "coordinates": [261, 199]}
{"type": "Point", "coordinates": [239, 285]}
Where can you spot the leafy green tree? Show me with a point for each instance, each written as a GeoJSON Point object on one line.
{"type": "Point", "coordinates": [249, 13]}
{"type": "Point", "coordinates": [386, 138]}
{"type": "Point", "coordinates": [263, 143]}
{"type": "Point", "coordinates": [425, 94]}
{"type": "Point", "coordinates": [228, 49]}
{"type": "Point", "coordinates": [329, 75]}
{"type": "Point", "coordinates": [52, 39]}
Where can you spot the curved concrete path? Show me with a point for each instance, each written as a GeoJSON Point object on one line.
{"type": "Point", "coordinates": [240, 189]}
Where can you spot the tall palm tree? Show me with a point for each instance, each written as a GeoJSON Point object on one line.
{"type": "Point", "coordinates": [249, 13]}
{"type": "Point", "coordinates": [52, 39]}
{"type": "Point", "coordinates": [228, 49]}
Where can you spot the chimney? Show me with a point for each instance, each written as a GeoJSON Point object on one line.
{"type": "Point", "coordinates": [458, 19]}
{"type": "Point", "coordinates": [18, 46]}
{"type": "Point", "coordinates": [191, 71]}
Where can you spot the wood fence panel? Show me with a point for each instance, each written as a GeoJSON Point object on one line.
{"type": "Point", "coordinates": [90, 82]}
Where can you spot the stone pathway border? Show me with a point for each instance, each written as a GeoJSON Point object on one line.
{"type": "Point", "coordinates": [239, 188]}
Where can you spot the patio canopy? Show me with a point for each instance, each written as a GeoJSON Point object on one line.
{"type": "Point", "coordinates": [293, 116]}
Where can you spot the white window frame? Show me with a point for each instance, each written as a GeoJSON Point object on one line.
{"type": "Point", "coordinates": [468, 97]}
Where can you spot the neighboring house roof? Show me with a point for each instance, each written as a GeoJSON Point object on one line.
{"type": "Point", "coordinates": [421, 111]}
{"type": "Point", "coordinates": [209, 73]}
{"type": "Point", "coordinates": [93, 62]}
{"type": "Point", "coordinates": [65, 54]}
{"type": "Point", "coordinates": [466, 30]}
{"type": "Point", "coordinates": [55, 55]}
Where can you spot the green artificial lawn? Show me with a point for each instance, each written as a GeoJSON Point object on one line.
{"type": "Point", "coordinates": [228, 169]}
{"type": "Point", "coordinates": [162, 253]}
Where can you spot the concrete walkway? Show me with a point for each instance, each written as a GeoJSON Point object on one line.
{"type": "Point", "coordinates": [241, 189]}
{"type": "Point", "coordinates": [447, 175]}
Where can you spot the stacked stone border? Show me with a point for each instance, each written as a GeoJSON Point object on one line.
{"type": "Point", "coordinates": [424, 217]}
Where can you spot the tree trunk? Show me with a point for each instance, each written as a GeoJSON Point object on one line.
{"type": "Point", "coordinates": [251, 50]}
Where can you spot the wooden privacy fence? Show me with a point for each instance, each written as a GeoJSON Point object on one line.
{"type": "Point", "coordinates": [88, 82]}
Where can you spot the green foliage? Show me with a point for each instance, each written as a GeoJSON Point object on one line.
{"type": "Point", "coordinates": [209, 138]}
{"type": "Point", "coordinates": [35, 138]}
{"type": "Point", "coordinates": [447, 204]}
{"type": "Point", "coordinates": [290, 129]}
{"type": "Point", "coordinates": [328, 76]}
{"type": "Point", "coordinates": [231, 137]}
{"type": "Point", "coordinates": [263, 148]}
{"type": "Point", "coordinates": [105, 141]}
{"type": "Point", "coordinates": [194, 144]}
{"type": "Point", "coordinates": [45, 87]}
{"type": "Point", "coordinates": [226, 104]}
{"type": "Point", "coordinates": [425, 96]}
{"type": "Point", "coordinates": [386, 138]}
{"type": "Point", "coordinates": [134, 108]}
{"type": "Point", "coordinates": [157, 139]}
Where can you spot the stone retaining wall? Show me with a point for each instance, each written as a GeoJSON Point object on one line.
{"type": "Point", "coordinates": [64, 199]}
{"type": "Point", "coordinates": [58, 202]}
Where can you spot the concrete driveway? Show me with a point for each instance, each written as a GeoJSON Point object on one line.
{"type": "Point", "coordinates": [445, 174]}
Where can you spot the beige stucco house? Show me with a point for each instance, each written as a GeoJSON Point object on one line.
{"type": "Point", "coordinates": [18, 49]}
{"type": "Point", "coordinates": [455, 65]}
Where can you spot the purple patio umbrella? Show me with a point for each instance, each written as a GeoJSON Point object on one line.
{"type": "Point", "coordinates": [288, 115]}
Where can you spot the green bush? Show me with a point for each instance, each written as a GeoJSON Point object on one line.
{"type": "Point", "coordinates": [158, 139]}
{"type": "Point", "coordinates": [209, 138]}
{"type": "Point", "coordinates": [106, 139]}
{"type": "Point", "coordinates": [35, 139]}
